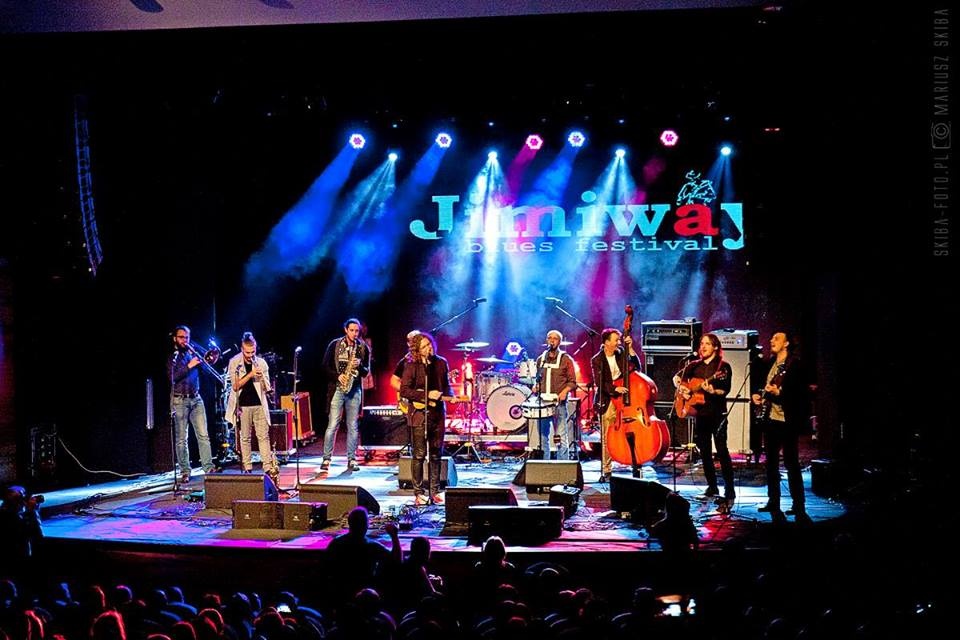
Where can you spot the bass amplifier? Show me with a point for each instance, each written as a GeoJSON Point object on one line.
{"type": "Point", "coordinates": [677, 335]}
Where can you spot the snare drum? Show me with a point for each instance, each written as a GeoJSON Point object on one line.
{"type": "Point", "coordinates": [504, 407]}
{"type": "Point", "coordinates": [489, 381]}
{"type": "Point", "coordinates": [538, 408]}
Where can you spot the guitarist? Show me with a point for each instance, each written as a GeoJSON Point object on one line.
{"type": "Point", "coordinates": [425, 383]}
{"type": "Point", "coordinates": [782, 406]}
{"type": "Point", "coordinates": [706, 382]}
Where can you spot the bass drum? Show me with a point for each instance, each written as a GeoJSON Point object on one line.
{"type": "Point", "coordinates": [505, 407]}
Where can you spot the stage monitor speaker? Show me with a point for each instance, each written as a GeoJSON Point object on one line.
{"type": "Point", "coordinates": [257, 514]}
{"type": "Point", "coordinates": [304, 516]}
{"type": "Point", "coordinates": [340, 498]}
{"type": "Point", "coordinates": [221, 489]}
{"type": "Point", "coordinates": [539, 475]}
{"type": "Point", "coordinates": [384, 426]}
{"type": "Point", "coordinates": [644, 500]}
{"type": "Point", "coordinates": [448, 472]}
{"type": "Point", "coordinates": [303, 419]}
{"type": "Point", "coordinates": [458, 501]}
{"type": "Point", "coordinates": [527, 526]}
{"type": "Point", "coordinates": [566, 497]}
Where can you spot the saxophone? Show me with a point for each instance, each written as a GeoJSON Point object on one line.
{"type": "Point", "coordinates": [350, 371]}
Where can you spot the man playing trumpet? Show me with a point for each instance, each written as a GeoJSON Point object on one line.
{"type": "Point", "coordinates": [249, 377]}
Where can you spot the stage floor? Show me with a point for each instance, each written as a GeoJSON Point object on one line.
{"type": "Point", "coordinates": [147, 511]}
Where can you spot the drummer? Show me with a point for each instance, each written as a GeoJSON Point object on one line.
{"type": "Point", "coordinates": [557, 377]}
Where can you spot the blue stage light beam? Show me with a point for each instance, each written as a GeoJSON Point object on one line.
{"type": "Point", "coordinates": [289, 250]}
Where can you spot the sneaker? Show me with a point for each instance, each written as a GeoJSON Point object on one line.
{"type": "Point", "coordinates": [353, 466]}
{"type": "Point", "coordinates": [768, 508]}
{"type": "Point", "coordinates": [729, 497]}
{"type": "Point", "coordinates": [325, 465]}
{"type": "Point", "coordinates": [421, 500]}
{"type": "Point", "coordinates": [437, 498]}
{"type": "Point", "coordinates": [793, 511]}
{"type": "Point", "coordinates": [185, 478]}
{"type": "Point", "coordinates": [801, 517]}
{"type": "Point", "coordinates": [711, 491]}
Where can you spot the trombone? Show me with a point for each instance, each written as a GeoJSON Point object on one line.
{"type": "Point", "coordinates": [208, 357]}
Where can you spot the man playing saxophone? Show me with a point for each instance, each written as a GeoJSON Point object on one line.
{"type": "Point", "coordinates": [346, 361]}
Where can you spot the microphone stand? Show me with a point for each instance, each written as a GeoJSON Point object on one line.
{"type": "Point", "coordinates": [672, 421]}
{"type": "Point", "coordinates": [473, 306]}
{"type": "Point", "coordinates": [298, 437]}
{"type": "Point", "coordinates": [591, 338]}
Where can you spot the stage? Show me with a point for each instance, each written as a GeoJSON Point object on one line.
{"type": "Point", "coordinates": [145, 517]}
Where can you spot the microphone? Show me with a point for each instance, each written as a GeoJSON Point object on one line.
{"type": "Point", "coordinates": [690, 356]}
{"type": "Point", "coordinates": [552, 299]}
{"type": "Point", "coordinates": [298, 350]}
{"type": "Point", "coordinates": [479, 300]}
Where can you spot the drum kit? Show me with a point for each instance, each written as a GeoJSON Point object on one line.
{"type": "Point", "coordinates": [501, 400]}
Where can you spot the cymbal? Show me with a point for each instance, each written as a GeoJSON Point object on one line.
{"type": "Point", "coordinates": [464, 349]}
{"type": "Point", "coordinates": [493, 360]}
{"type": "Point", "coordinates": [563, 343]}
{"type": "Point", "coordinates": [473, 344]}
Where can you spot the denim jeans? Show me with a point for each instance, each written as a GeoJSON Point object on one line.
{"type": "Point", "coordinates": [192, 411]}
{"type": "Point", "coordinates": [347, 404]}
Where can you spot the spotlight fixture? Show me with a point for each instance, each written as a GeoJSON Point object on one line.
{"type": "Point", "coordinates": [392, 156]}
{"type": "Point", "coordinates": [534, 142]}
{"type": "Point", "coordinates": [357, 141]}
{"type": "Point", "coordinates": [492, 156]}
{"type": "Point", "coordinates": [620, 152]}
{"type": "Point", "coordinates": [444, 140]}
{"type": "Point", "coordinates": [669, 138]}
{"type": "Point", "coordinates": [576, 139]}
{"type": "Point", "coordinates": [726, 150]}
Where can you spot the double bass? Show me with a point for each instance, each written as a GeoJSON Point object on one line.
{"type": "Point", "coordinates": [638, 435]}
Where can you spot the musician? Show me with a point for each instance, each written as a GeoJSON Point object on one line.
{"type": "Point", "coordinates": [711, 419]}
{"type": "Point", "coordinates": [186, 405]}
{"type": "Point", "coordinates": [347, 361]}
{"type": "Point", "coordinates": [398, 371]}
{"type": "Point", "coordinates": [426, 380]}
{"type": "Point", "coordinates": [784, 401]}
{"type": "Point", "coordinates": [249, 377]}
{"type": "Point", "coordinates": [610, 381]}
{"type": "Point", "coordinates": [557, 377]}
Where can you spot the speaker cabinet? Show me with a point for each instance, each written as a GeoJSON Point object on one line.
{"type": "Point", "coordinates": [539, 475]}
{"type": "Point", "coordinates": [340, 498]}
{"type": "Point", "coordinates": [303, 418]}
{"type": "Point", "coordinates": [661, 366]}
{"type": "Point", "coordinates": [384, 426]}
{"type": "Point", "coordinates": [257, 514]}
{"type": "Point", "coordinates": [643, 499]}
{"type": "Point", "coordinates": [281, 433]}
{"type": "Point", "coordinates": [304, 516]}
{"type": "Point", "coordinates": [448, 472]}
{"type": "Point", "coordinates": [298, 516]}
{"type": "Point", "coordinates": [566, 497]}
{"type": "Point", "coordinates": [221, 489]}
{"type": "Point", "coordinates": [527, 526]}
{"type": "Point", "coordinates": [459, 500]}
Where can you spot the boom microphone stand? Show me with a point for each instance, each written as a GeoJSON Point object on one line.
{"type": "Point", "coordinates": [591, 338]}
{"type": "Point", "coordinates": [474, 304]}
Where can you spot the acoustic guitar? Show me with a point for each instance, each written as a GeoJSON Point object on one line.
{"type": "Point", "coordinates": [687, 407]}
